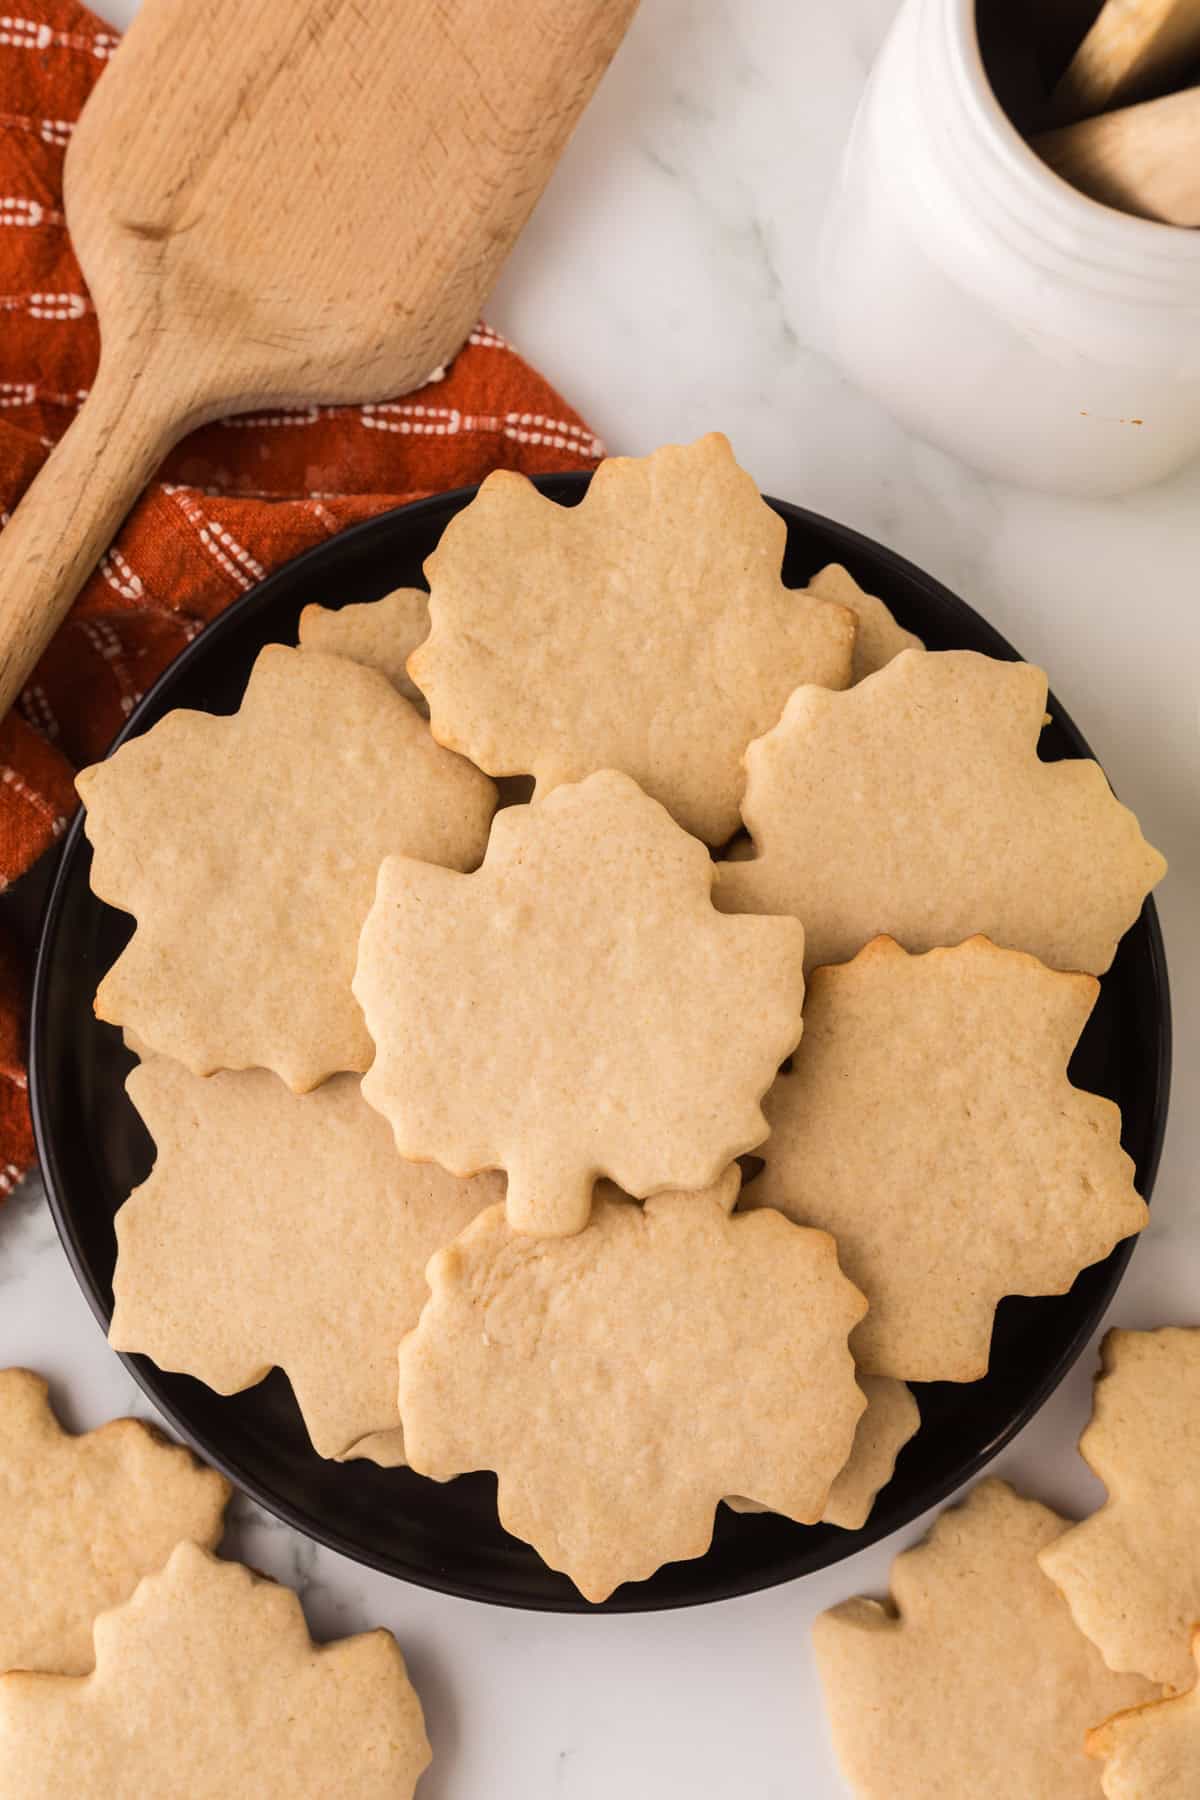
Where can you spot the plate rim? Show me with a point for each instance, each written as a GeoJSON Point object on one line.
{"type": "Point", "coordinates": [629, 1598]}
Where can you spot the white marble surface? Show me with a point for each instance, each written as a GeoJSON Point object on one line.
{"type": "Point", "coordinates": [665, 284]}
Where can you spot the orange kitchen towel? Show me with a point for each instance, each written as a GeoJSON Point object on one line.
{"type": "Point", "coordinates": [232, 502]}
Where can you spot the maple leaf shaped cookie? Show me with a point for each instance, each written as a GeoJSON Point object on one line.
{"type": "Point", "coordinates": [879, 638]}
{"type": "Point", "coordinates": [1131, 1573]}
{"type": "Point", "coordinates": [575, 1008]}
{"type": "Point", "coordinates": [207, 1685]}
{"type": "Point", "coordinates": [646, 629]}
{"type": "Point", "coordinates": [247, 848]}
{"type": "Point", "coordinates": [929, 1125]}
{"type": "Point", "coordinates": [1152, 1752]}
{"type": "Point", "coordinates": [308, 1255]}
{"type": "Point", "coordinates": [83, 1519]}
{"type": "Point", "coordinates": [915, 804]}
{"type": "Point", "coordinates": [891, 1419]}
{"type": "Point", "coordinates": [622, 1381]}
{"type": "Point", "coordinates": [974, 1681]}
{"type": "Point", "coordinates": [380, 633]}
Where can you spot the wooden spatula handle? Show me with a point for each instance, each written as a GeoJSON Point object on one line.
{"type": "Point", "coordinates": [67, 518]}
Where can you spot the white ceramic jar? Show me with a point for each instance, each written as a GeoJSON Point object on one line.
{"type": "Point", "coordinates": [993, 309]}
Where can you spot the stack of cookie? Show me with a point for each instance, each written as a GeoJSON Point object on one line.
{"type": "Point", "coordinates": [116, 1619]}
{"type": "Point", "coordinates": [471, 1085]}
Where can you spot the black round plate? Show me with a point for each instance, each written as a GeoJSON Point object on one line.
{"type": "Point", "coordinates": [94, 1150]}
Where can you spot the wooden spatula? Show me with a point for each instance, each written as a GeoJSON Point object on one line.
{"type": "Point", "coordinates": [285, 201]}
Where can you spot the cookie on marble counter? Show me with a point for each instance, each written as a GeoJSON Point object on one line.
{"type": "Point", "coordinates": [1131, 1573]}
{"type": "Point", "coordinates": [208, 1686]}
{"type": "Point", "coordinates": [82, 1519]}
{"type": "Point", "coordinates": [1152, 1752]}
{"type": "Point", "coordinates": [973, 1680]}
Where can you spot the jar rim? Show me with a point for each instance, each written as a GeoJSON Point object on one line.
{"type": "Point", "coordinates": [1040, 202]}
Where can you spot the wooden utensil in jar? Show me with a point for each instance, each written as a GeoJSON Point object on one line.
{"type": "Point", "coordinates": [1141, 159]}
{"type": "Point", "coordinates": [1135, 48]}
